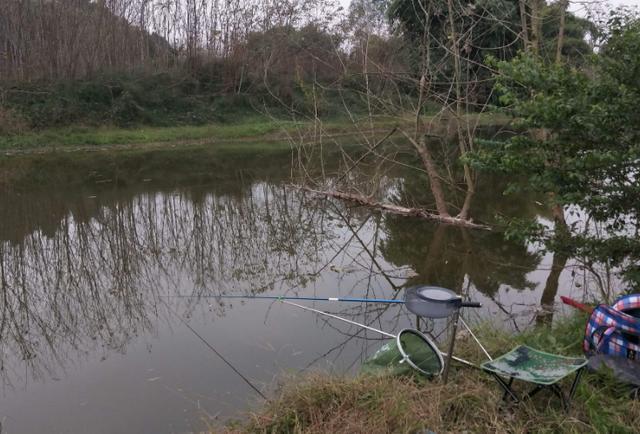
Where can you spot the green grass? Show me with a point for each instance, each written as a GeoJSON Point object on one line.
{"type": "Point", "coordinates": [253, 131]}
{"type": "Point", "coordinates": [250, 130]}
{"type": "Point", "coordinates": [471, 402]}
{"type": "Point", "coordinates": [86, 136]}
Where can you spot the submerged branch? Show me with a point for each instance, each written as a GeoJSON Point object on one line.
{"type": "Point", "coordinates": [397, 209]}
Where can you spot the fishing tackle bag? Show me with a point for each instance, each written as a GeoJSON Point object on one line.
{"type": "Point", "coordinates": [614, 330]}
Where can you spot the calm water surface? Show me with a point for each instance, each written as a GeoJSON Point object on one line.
{"type": "Point", "coordinates": [97, 277]}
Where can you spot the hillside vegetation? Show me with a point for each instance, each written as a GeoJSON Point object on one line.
{"type": "Point", "coordinates": [140, 62]}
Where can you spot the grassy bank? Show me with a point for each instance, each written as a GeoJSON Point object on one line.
{"type": "Point", "coordinates": [250, 130]}
{"type": "Point", "coordinates": [471, 402]}
{"type": "Point", "coordinates": [102, 136]}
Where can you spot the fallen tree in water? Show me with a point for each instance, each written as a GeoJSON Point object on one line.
{"type": "Point", "coordinates": [397, 209]}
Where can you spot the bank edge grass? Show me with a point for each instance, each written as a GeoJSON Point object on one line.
{"type": "Point", "coordinates": [254, 130]}
{"type": "Point", "coordinates": [471, 402]}
{"type": "Point", "coordinates": [88, 136]}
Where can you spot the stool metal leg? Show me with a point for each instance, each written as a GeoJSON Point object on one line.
{"type": "Point", "coordinates": [574, 387]}
{"type": "Point", "coordinates": [565, 399]}
{"type": "Point", "coordinates": [508, 391]}
{"type": "Point", "coordinates": [504, 396]}
{"type": "Point", "coordinates": [535, 390]}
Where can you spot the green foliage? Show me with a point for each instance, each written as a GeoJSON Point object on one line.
{"type": "Point", "coordinates": [486, 29]}
{"type": "Point", "coordinates": [581, 144]}
{"type": "Point", "coordinates": [250, 129]}
{"type": "Point", "coordinates": [282, 70]}
{"type": "Point", "coordinates": [11, 123]}
{"type": "Point", "coordinates": [564, 338]}
{"type": "Point", "coordinates": [120, 99]}
{"type": "Point", "coordinates": [575, 49]}
{"type": "Point", "coordinates": [256, 132]}
{"type": "Point", "coordinates": [488, 26]}
{"type": "Point", "coordinates": [159, 100]}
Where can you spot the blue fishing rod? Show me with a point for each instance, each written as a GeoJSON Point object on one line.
{"type": "Point", "coordinates": [281, 297]}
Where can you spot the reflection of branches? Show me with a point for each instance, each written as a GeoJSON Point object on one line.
{"type": "Point", "coordinates": [443, 256]}
{"type": "Point", "coordinates": [94, 283]}
{"type": "Point", "coordinates": [508, 313]}
{"type": "Point", "coordinates": [350, 335]}
{"type": "Point", "coordinates": [88, 279]}
{"type": "Point", "coordinates": [365, 247]}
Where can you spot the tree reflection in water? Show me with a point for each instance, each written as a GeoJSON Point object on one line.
{"type": "Point", "coordinates": [84, 274]}
{"type": "Point", "coordinates": [91, 278]}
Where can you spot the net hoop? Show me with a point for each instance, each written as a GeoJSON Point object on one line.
{"type": "Point", "coordinates": [430, 344]}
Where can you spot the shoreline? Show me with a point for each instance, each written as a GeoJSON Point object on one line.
{"type": "Point", "coordinates": [470, 402]}
{"type": "Point", "coordinates": [252, 132]}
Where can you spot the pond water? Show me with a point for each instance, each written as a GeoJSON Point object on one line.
{"type": "Point", "coordinates": [105, 283]}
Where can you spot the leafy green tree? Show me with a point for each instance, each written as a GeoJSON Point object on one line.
{"type": "Point", "coordinates": [481, 28]}
{"type": "Point", "coordinates": [574, 47]}
{"type": "Point", "coordinates": [486, 28]}
{"type": "Point", "coordinates": [581, 146]}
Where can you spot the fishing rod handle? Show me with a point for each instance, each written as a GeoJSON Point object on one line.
{"type": "Point", "coordinates": [470, 304]}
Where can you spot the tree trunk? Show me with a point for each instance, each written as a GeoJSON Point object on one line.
{"type": "Point", "coordinates": [524, 24]}
{"type": "Point", "coordinates": [551, 289]}
{"type": "Point", "coordinates": [434, 176]}
{"type": "Point", "coordinates": [457, 76]}
{"type": "Point", "coordinates": [557, 211]}
{"type": "Point", "coordinates": [559, 263]}
{"type": "Point", "coordinates": [536, 25]}
{"type": "Point", "coordinates": [564, 4]}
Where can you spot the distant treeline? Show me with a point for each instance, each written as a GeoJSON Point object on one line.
{"type": "Point", "coordinates": [193, 61]}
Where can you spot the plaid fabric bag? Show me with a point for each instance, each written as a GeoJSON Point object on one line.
{"type": "Point", "coordinates": [627, 303]}
{"type": "Point", "coordinates": [613, 332]}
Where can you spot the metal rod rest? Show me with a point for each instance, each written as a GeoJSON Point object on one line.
{"type": "Point", "coordinates": [389, 335]}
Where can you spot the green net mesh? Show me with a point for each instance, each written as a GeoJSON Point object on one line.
{"type": "Point", "coordinates": [389, 359]}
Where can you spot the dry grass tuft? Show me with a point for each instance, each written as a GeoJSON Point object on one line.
{"type": "Point", "coordinates": [369, 404]}
{"type": "Point", "coordinates": [471, 402]}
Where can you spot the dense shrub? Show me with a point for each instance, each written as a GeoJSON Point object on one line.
{"type": "Point", "coordinates": [11, 122]}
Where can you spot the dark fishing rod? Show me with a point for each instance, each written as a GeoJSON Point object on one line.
{"type": "Point", "coordinates": [419, 300]}
{"type": "Point", "coordinates": [216, 352]}
{"type": "Point", "coordinates": [282, 297]}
